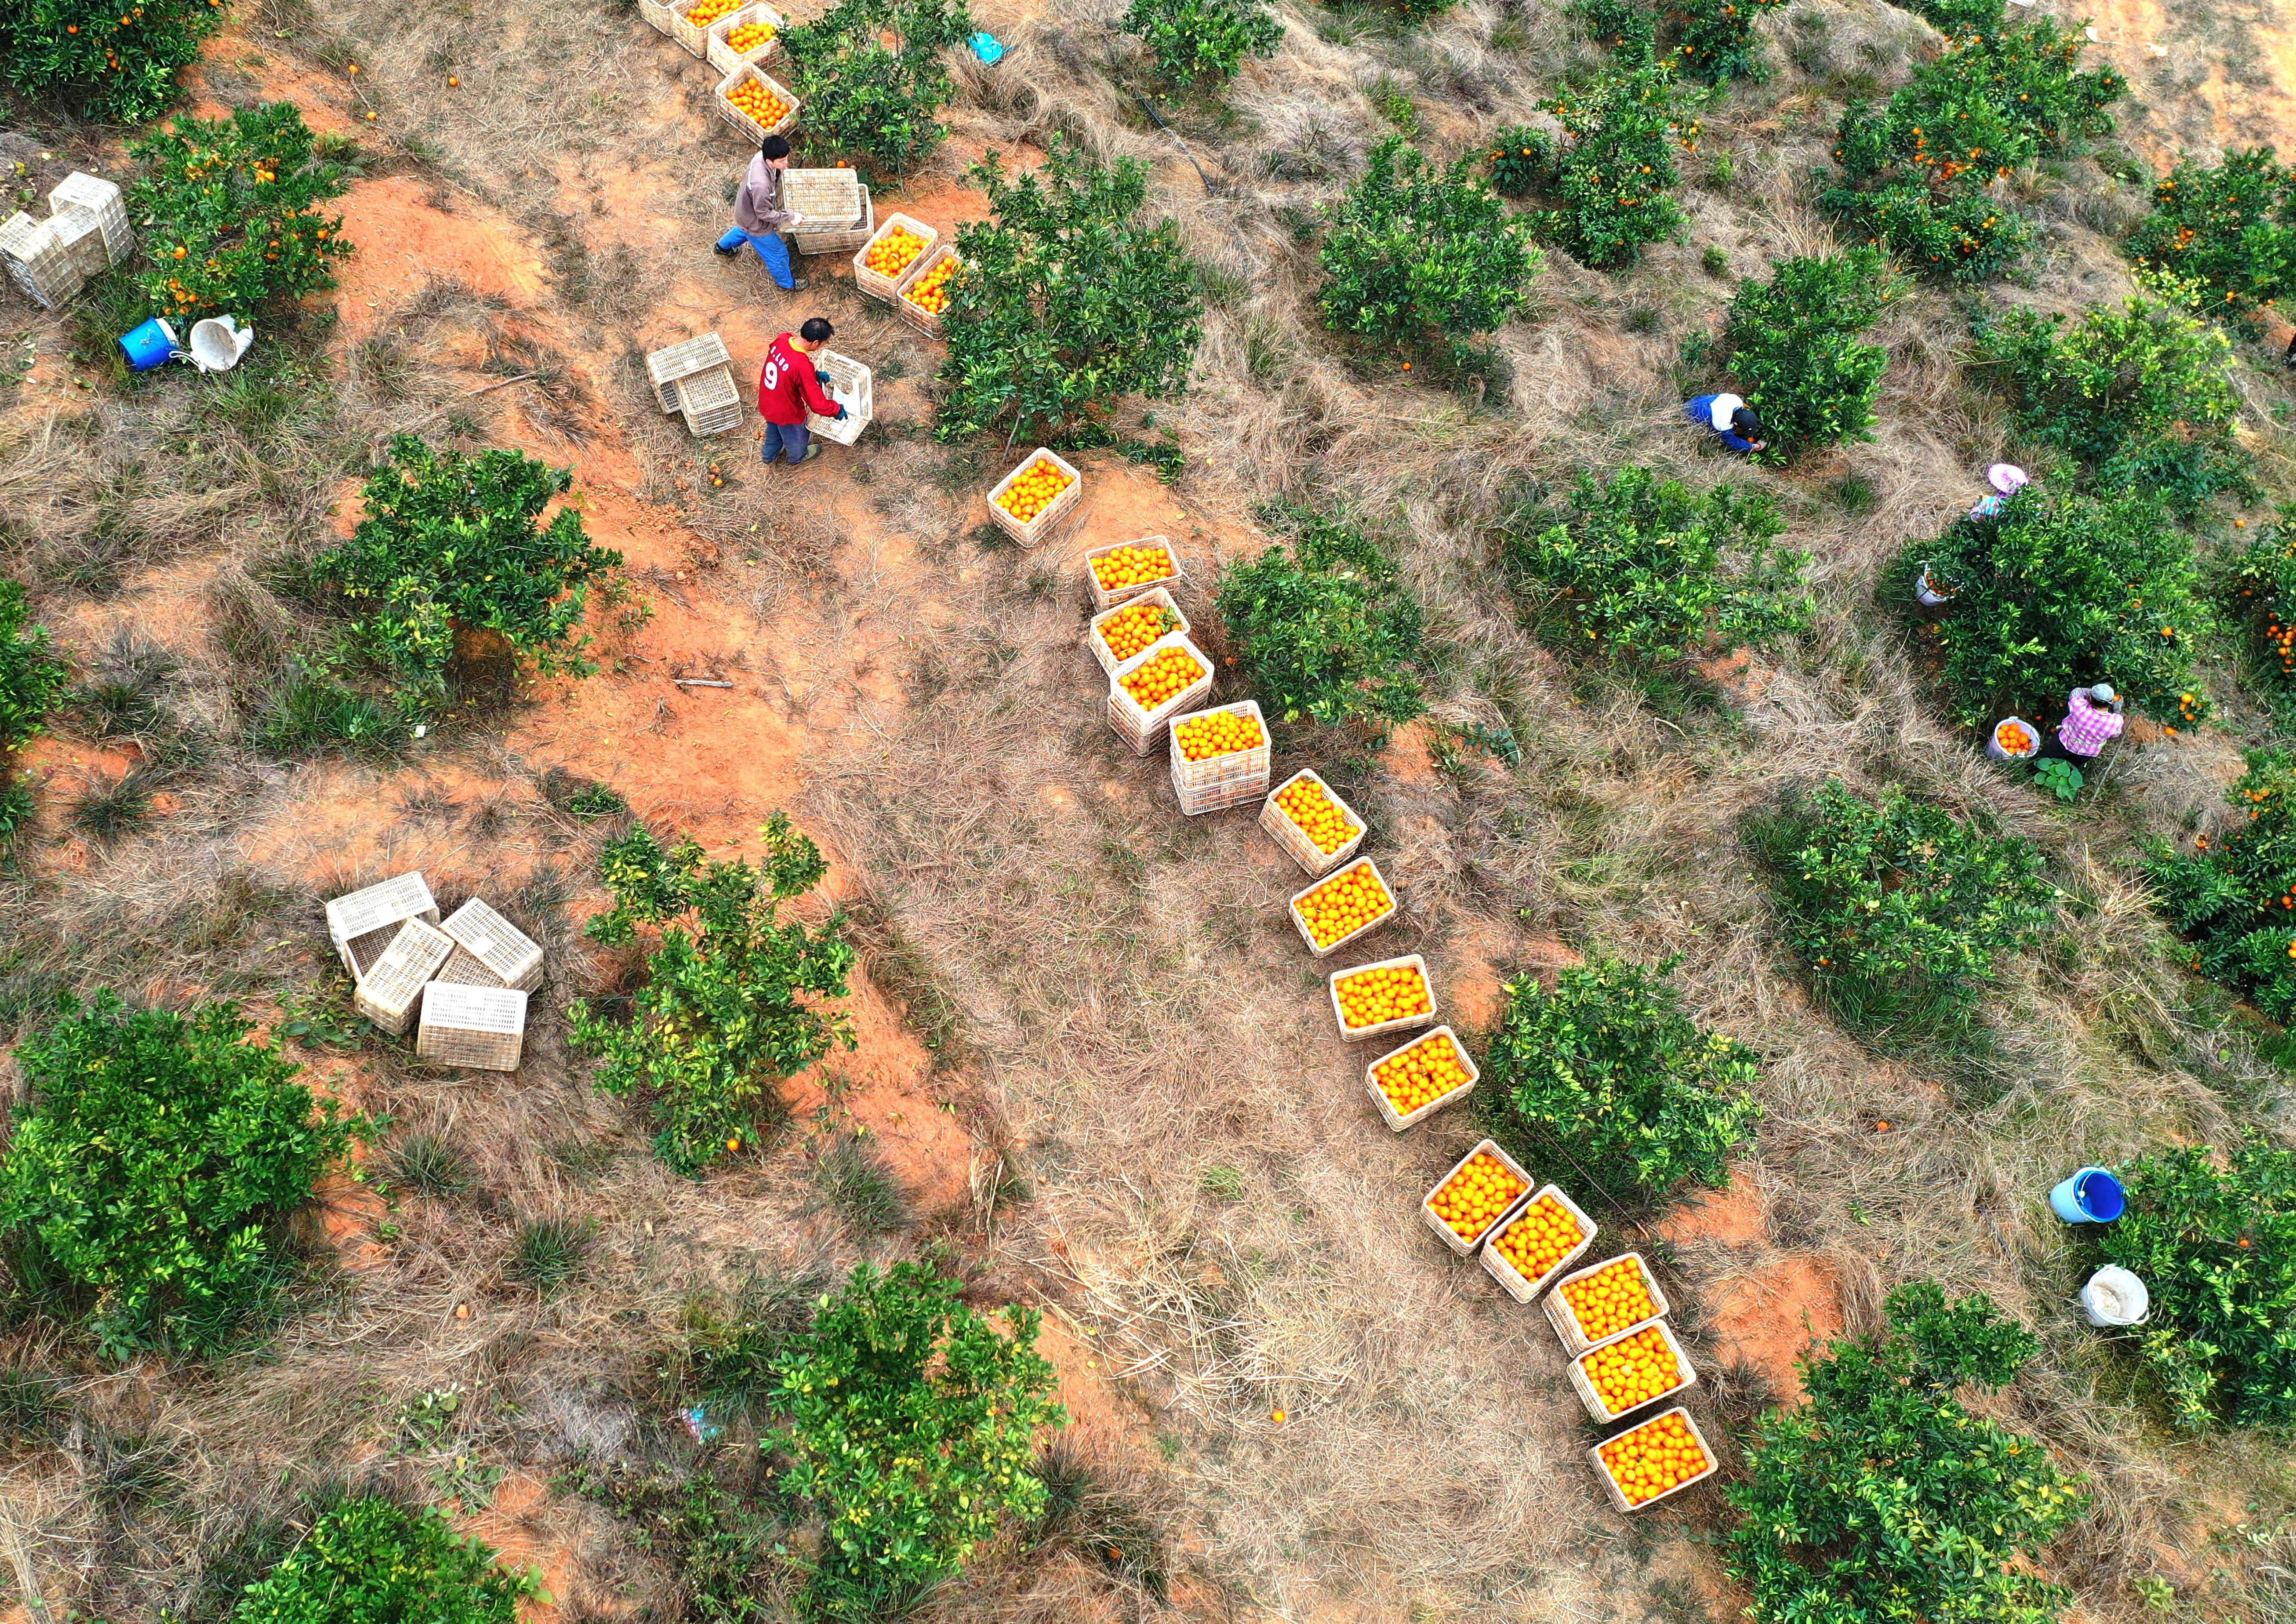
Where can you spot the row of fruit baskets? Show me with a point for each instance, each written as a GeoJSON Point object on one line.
{"type": "Point", "coordinates": [1611, 1316]}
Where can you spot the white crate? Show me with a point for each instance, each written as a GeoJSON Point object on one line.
{"type": "Point", "coordinates": [1097, 643]}
{"type": "Point", "coordinates": [877, 283]}
{"type": "Point", "coordinates": [1356, 1034]}
{"type": "Point", "coordinates": [462, 1025]}
{"type": "Point", "coordinates": [1032, 531]}
{"type": "Point", "coordinates": [1394, 905]}
{"type": "Point", "coordinates": [1294, 840]}
{"type": "Point", "coordinates": [1400, 1120]}
{"type": "Point", "coordinates": [1108, 597]}
{"type": "Point", "coordinates": [1594, 1459]}
{"type": "Point", "coordinates": [752, 130]}
{"type": "Point", "coordinates": [853, 387]}
{"type": "Point", "coordinates": [1451, 1237]}
{"type": "Point", "coordinates": [102, 198]}
{"type": "Point", "coordinates": [1140, 727]}
{"type": "Point", "coordinates": [509, 952]}
{"type": "Point", "coordinates": [1584, 1386]}
{"type": "Point", "coordinates": [1217, 782]}
{"type": "Point", "coordinates": [43, 265]}
{"type": "Point", "coordinates": [1564, 1318]}
{"type": "Point", "coordinates": [717, 49]}
{"type": "Point", "coordinates": [377, 907]}
{"type": "Point", "coordinates": [1512, 1279]}
{"type": "Point", "coordinates": [392, 986]}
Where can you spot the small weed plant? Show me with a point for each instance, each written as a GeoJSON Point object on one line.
{"type": "Point", "coordinates": [146, 1179]}
{"type": "Point", "coordinates": [1795, 346]}
{"type": "Point", "coordinates": [32, 680]}
{"type": "Point", "coordinates": [229, 212]}
{"type": "Point", "coordinates": [1896, 904]}
{"type": "Point", "coordinates": [1069, 303]}
{"type": "Point", "coordinates": [372, 1562]}
{"type": "Point", "coordinates": [1325, 626]}
{"type": "Point", "coordinates": [2214, 1240]}
{"type": "Point", "coordinates": [1202, 43]}
{"type": "Point", "coordinates": [1607, 1073]}
{"type": "Point", "coordinates": [1884, 1499]}
{"type": "Point", "coordinates": [910, 1424]}
{"type": "Point", "coordinates": [1610, 176]}
{"type": "Point", "coordinates": [2143, 396]}
{"type": "Point", "coordinates": [2229, 231]}
{"type": "Point", "coordinates": [105, 62]}
{"type": "Point", "coordinates": [718, 1540]}
{"type": "Point", "coordinates": [2233, 895]}
{"type": "Point", "coordinates": [454, 543]}
{"type": "Point", "coordinates": [2060, 590]}
{"type": "Point", "coordinates": [1642, 569]}
{"type": "Point", "coordinates": [871, 76]}
{"type": "Point", "coordinates": [1422, 259]}
{"type": "Point", "coordinates": [724, 1013]}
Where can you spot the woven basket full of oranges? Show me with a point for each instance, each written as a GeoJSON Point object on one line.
{"type": "Point", "coordinates": [887, 260]}
{"type": "Point", "coordinates": [1334, 911]}
{"type": "Point", "coordinates": [1316, 829]}
{"type": "Point", "coordinates": [1124, 633]}
{"type": "Point", "coordinates": [1420, 1078]}
{"type": "Point", "coordinates": [1151, 688]}
{"type": "Point", "coordinates": [756, 105]}
{"type": "Point", "coordinates": [1128, 568]}
{"type": "Point", "coordinates": [1603, 1300]}
{"type": "Point", "coordinates": [1538, 1244]}
{"type": "Point", "coordinates": [1027, 501]}
{"type": "Point", "coordinates": [1474, 1195]}
{"type": "Point", "coordinates": [1632, 1371]}
{"type": "Point", "coordinates": [747, 34]}
{"type": "Point", "coordinates": [1391, 996]}
{"type": "Point", "coordinates": [924, 296]}
{"type": "Point", "coordinates": [1652, 1459]}
{"type": "Point", "coordinates": [1220, 758]}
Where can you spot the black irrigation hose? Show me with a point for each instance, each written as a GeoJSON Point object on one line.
{"type": "Point", "coordinates": [1183, 145]}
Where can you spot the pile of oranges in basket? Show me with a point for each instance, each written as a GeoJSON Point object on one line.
{"type": "Point", "coordinates": [1312, 810]}
{"type": "Point", "coordinates": [1133, 627]}
{"type": "Point", "coordinates": [1381, 993]}
{"type": "Point", "coordinates": [1137, 563]}
{"type": "Point", "coordinates": [708, 11]}
{"type": "Point", "coordinates": [1609, 1300]}
{"type": "Point", "coordinates": [1218, 733]}
{"type": "Point", "coordinates": [1633, 1371]}
{"type": "Point", "coordinates": [1159, 679]}
{"type": "Point", "coordinates": [1471, 1199]}
{"type": "Point", "coordinates": [1647, 1461]}
{"type": "Point", "coordinates": [1540, 1238]}
{"type": "Point", "coordinates": [752, 96]}
{"type": "Point", "coordinates": [890, 255]}
{"type": "Point", "coordinates": [1034, 488]}
{"type": "Point", "coordinates": [746, 38]}
{"type": "Point", "coordinates": [1344, 904]}
{"type": "Point", "coordinates": [930, 291]}
{"type": "Point", "coordinates": [1422, 1074]}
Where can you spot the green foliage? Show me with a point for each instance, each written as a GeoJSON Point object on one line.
{"type": "Point", "coordinates": [910, 1424]}
{"type": "Point", "coordinates": [1514, 160]}
{"type": "Point", "coordinates": [1794, 342]}
{"type": "Point", "coordinates": [1421, 259]}
{"type": "Point", "coordinates": [370, 1562]}
{"type": "Point", "coordinates": [227, 212]}
{"type": "Point", "coordinates": [2143, 397]}
{"type": "Point", "coordinates": [1609, 175]}
{"type": "Point", "coordinates": [1644, 569]}
{"type": "Point", "coordinates": [2231, 229]}
{"type": "Point", "coordinates": [1896, 903]}
{"type": "Point", "coordinates": [2214, 1241]}
{"type": "Point", "coordinates": [452, 542]}
{"type": "Point", "coordinates": [1067, 301]}
{"type": "Point", "coordinates": [2234, 895]}
{"type": "Point", "coordinates": [2259, 598]}
{"type": "Point", "coordinates": [311, 708]}
{"type": "Point", "coordinates": [1715, 38]}
{"type": "Point", "coordinates": [146, 1175]}
{"type": "Point", "coordinates": [104, 61]}
{"type": "Point", "coordinates": [1919, 172]}
{"type": "Point", "coordinates": [1626, 29]}
{"type": "Point", "coordinates": [2060, 590]}
{"type": "Point", "coordinates": [32, 679]}
{"type": "Point", "coordinates": [716, 1541]}
{"type": "Point", "coordinates": [1201, 42]}
{"type": "Point", "coordinates": [729, 1354]}
{"type": "Point", "coordinates": [871, 76]}
{"type": "Point", "coordinates": [1326, 629]}
{"type": "Point", "coordinates": [1883, 1499]}
{"type": "Point", "coordinates": [2061, 779]}
{"type": "Point", "coordinates": [720, 1020]}
{"type": "Point", "coordinates": [1607, 1074]}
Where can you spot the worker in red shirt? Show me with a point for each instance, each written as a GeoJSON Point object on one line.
{"type": "Point", "coordinates": [789, 387]}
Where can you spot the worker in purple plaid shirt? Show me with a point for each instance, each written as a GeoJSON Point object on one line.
{"type": "Point", "coordinates": [2093, 719]}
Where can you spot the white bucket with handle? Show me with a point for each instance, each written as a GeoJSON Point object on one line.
{"type": "Point", "coordinates": [2114, 1297]}
{"type": "Point", "coordinates": [218, 343]}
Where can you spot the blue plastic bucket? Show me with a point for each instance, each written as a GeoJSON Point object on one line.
{"type": "Point", "coordinates": [149, 345]}
{"type": "Point", "coordinates": [2091, 1196]}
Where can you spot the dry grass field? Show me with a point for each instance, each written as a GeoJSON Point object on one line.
{"type": "Point", "coordinates": [1093, 1059]}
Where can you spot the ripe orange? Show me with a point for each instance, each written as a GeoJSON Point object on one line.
{"type": "Point", "coordinates": [1163, 677]}
{"type": "Point", "coordinates": [1344, 904]}
{"type": "Point", "coordinates": [1310, 806]}
{"type": "Point", "coordinates": [1647, 1461]}
{"type": "Point", "coordinates": [1613, 1298]}
{"type": "Point", "coordinates": [1472, 1198]}
{"type": "Point", "coordinates": [1384, 993]}
{"type": "Point", "coordinates": [1032, 491]}
{"type": "Point", "coordinates": [753, 98]}
{"type": "Point", "coordinates": [890, 255]}
{"type": "Point", "coordinates": [708, 11]}
{"type": "Point", "coordinates": [748, 36]}
{"type": "Point", "coordinates": [1133, 627]}
{"type": "Point", "coordinates": [1221, 732]}
{"type": "Point", "coordinates": [1421, 1074]}
{"type": "Point", "coordinates": [1633, 1371]}
{"type": "Point", "coordinates": [1540, 1238]}
{"type": "Point", "coordinates": [1133, 564]}
{"type": "Point", "coordinates": [930, 291]}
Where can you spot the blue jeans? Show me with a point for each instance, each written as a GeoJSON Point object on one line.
{"type": "Point", "coordinates": [770, 249]}
{"type": "Point", "coordinates": [795, 436]}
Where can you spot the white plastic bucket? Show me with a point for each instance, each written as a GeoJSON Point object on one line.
{"type": "Point", "coordinates": [218, 342]}
{"type": "Point", "coordinates": [1999, 751]}
{"type": "Point", "coordinates": [1927, 593]}
{"type": "Point", "coordinates": [2115, 1298]}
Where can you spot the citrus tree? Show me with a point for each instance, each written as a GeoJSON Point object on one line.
{"type": "Point", "coordinates": [452, 542]}
{"type": "Point", "coordinates": [871, 76]}
{"type": "Point", "coordinates": [1326, 628]}
{"type": "Point", "coordinates": [1715, 39]}
{"type": "Point", "coordinates": [1644, 569]}
{"type": "Point", "coordinates": [1882, 1498]}
{"type": "Point", "coordinates": [2230, 229]}
{"type": "Point", "coordinates": [228, 209]}
{"type": "Point", "coordinates": [723, 1015]}
{"type": "Point", "coordinates": [103, 60]}
{"type": "Point", "coordinates": [1609, 177]}
{"type": "Point", "coordinates": [2143, 396]}
{"type": "Point", "coordinates": [369, 1560]}
{"type": "Point", "coordinates": [1421, 259]}
{"type": "Point", "coordinates": [2060, 590]}
{"type": "Point", "coordinates": [31, 680]}
{"type": "Point", "coordinates": [1795, 346]}
{"type": "Point", "coordinates": [2213, 1238]}
{"type": "Point", "coordinates": [911, 1423]}
{"type": "Point", "coordinates": [1069, 301]}
{"type": "Point", "coordinates": [1607, 1074]}
{"type": "Point", "coordinates": [1202, 41]}
{"type": "Point", "coordinates": [145, 1180]}
{"type": "Point", "coordinates": [2232, 894]}
{"type": "Point", "coordinates": [2259, 598]}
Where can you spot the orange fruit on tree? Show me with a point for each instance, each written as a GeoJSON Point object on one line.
{"type": "Point", "coordinates": [1471, 1199]}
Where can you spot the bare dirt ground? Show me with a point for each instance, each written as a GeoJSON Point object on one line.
{"type": "Point", "coordinates": [1133, 1112]}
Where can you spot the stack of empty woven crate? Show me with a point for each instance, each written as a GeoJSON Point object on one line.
{"type": "Point", "coordinates": [85, 236]}
{"type": "Point", "coordinates": [461, 982]}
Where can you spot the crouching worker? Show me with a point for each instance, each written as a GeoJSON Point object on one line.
{"type": "Point", "coordinates": [758, 217]}
{"type": "Point", "coordinates": [790, 387]}
{"type": "Point", "coordinates": [1733, 421]}
{"type": "Point", "coordinates": [2092, 720]}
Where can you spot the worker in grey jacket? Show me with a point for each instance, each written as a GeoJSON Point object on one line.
{"type": "Point", "coordinates": [758, 217]}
